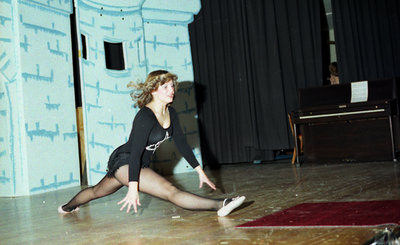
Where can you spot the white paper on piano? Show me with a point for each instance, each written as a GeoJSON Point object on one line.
{"type": "Point", "coordinates": [359, 91]}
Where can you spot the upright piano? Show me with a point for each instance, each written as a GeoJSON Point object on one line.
{"type": "Point", "coordinates": [353, 122]}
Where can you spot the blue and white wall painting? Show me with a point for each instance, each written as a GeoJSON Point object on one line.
{"type": "Point", "coordinates": [38, 137]}
{"type": "Point", "coordinates": [38, 131]}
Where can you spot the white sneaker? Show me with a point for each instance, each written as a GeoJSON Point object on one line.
{"type": "Point", "coordinates": [61, 211]}
{"type": "Point", "coordinates": [228, 208]}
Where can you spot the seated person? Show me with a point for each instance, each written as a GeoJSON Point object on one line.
{"type": "Point", "coordinates": [333, 69]}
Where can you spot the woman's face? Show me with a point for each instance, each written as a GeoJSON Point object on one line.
{"type": "Point", "coordinates": [165, 92]}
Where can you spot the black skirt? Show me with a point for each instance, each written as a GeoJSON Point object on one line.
{"type": "Point", "coordinates": [116, 160]}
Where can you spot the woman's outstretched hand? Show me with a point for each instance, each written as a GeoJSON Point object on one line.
{"type": "Point", "coordinates": [131, 199]}
{"type": "Point", "coordinates": [204, 179]}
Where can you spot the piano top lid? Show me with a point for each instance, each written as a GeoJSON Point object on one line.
{"type": "Point", "coordinates": [378, 90]}
{"type": "Point", "coordinates": [383, 106]}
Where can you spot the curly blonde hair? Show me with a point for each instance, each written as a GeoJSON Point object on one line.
{"type": "Point", "coordinates": [156, 78]}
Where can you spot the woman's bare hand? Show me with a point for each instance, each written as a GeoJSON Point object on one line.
{"type": "Point", "coordinates": [131, 199]}
{"type": "Point", "coordinates": [204, 179]}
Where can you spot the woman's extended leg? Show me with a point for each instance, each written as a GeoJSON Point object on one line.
{"type": "Point", "coordinates": [152, 183]}
{"type": "Point", "coordinates": [106, 186]}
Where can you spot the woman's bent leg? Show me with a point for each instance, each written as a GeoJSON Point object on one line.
{"type": "Point", "coordinates": [152, 183]}
{"type": "Point", "coordinates": [106, 186]}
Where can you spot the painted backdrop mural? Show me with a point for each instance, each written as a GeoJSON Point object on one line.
{"type": "Point", "coordinates": [117, 44]}
{"type": "Point", "coordinates": [38, 137]}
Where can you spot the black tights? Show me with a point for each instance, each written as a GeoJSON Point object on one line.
{"type": "Point", "coordinates": [105, 187]}
{"type": "Point", "coordinates": [150, 183]}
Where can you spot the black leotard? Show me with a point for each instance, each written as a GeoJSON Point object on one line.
{"type": "Point", "coordinates": [145, 137]}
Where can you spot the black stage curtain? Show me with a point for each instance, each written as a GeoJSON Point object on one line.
{"type": "Point", "coordinates": [367, 35]}
{"type": "Point", "coordinates": [249, 59]}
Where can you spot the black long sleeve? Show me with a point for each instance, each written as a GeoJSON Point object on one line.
{"type": "Point", "coordinates": [142, 125]}
{"type": "Point", "coordinates": [180, 141]}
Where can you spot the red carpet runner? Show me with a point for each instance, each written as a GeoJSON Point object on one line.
{"type": "Point", "coordinates": [368, 213]}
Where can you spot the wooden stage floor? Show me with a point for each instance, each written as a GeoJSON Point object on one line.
{"type": "Point", "coordinates": [269, 187]}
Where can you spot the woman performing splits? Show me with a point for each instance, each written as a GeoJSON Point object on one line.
{"type": "Point", "coordinates": [128, 165]}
